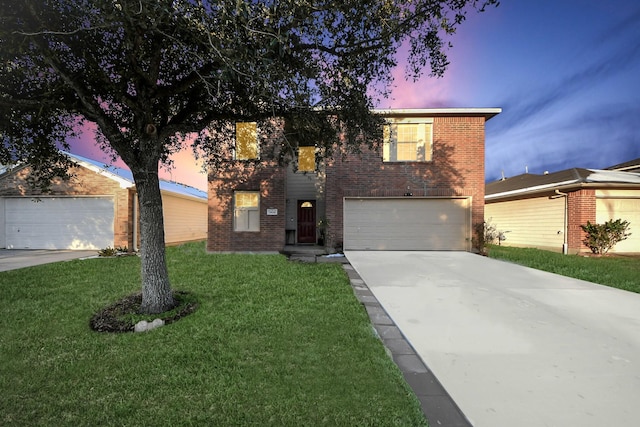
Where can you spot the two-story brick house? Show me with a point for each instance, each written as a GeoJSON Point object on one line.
{"type": "Point", "coordinates": [421, 189]}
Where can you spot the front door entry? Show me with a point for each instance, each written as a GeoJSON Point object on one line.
{"type": "Point", "coordinates": [306, 221]}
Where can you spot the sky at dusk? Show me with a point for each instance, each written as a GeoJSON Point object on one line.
{"type": "Point", "coordinates": [566, 75]}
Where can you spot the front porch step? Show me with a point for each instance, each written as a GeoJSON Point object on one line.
{"type": "Point", "coordinates": [312, 254]}
{"type": "Point", "coordinates": [304, 250]}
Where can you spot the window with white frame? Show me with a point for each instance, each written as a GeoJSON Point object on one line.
{"type": "Point", "coordinates": [246, 211]}
{"type": "Point", "coordinates": [408, 141]}
{"type": "Point", "coordinates": [246, 141]}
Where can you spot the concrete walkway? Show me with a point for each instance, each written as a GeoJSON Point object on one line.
{"type": "Point", "coordinates": [12, 259]}
{"type": "Point", "coordinates": [514, 346]}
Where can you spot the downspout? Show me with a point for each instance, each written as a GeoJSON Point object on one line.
{"type": "Point", "coordinates": [565, 246]}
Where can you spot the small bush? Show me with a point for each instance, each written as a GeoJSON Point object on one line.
{"type": "Point", "coordinates": [601, 238]}
{"type": "Point", "coordinates": [486, 233]}
{"type": "Point", "coordinates": [108, 251]}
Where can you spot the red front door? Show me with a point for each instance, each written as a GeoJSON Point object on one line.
{"type": "Point", "coordinates": [306, 221]}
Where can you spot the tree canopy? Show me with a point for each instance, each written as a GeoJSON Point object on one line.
{"type": "Point", "coordinates": [149, 72]}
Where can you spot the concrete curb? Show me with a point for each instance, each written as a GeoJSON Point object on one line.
{"type": "Point", "coordinates": [438, 407]}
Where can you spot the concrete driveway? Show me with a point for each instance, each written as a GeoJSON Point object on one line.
{"type": "Point", "coordinates": [514, 346]}
{"type": "Point", "coordinates": [12, 259]}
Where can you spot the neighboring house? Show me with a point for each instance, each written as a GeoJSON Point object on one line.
{"type": "Point", "coordinates": [95, 209]}
{"type": "Point", "coordinates": [546, 211]}
{"type": "Point", "coordinates": [422, 189]}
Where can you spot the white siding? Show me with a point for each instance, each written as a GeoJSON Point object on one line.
{"type": "Point", "coordinates": [624, 205]}
{"type": "Point", "coordinates": [184, 219]}
{"type": "Point", "coordinates": [407, 224]}
{"type": "Point", "coordinates": [59, 222]}
{"type": "Point", "coordinates": [529, 223]}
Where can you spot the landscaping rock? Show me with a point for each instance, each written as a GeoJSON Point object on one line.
{"type": "Point", "coordinates": [155, 324]}
{"type": "Point", "coordinates": [144, 326]}
{"type": "Point", "coordinates": [141, 326]}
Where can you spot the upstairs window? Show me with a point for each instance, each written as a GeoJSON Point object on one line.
{"type": "Point", "coordinates": [246, 141]}
{"type": "Point", "coordinates": [246, 211]}
{"type": "Point", "coordinates": [407, 141]}
{"type": "Point", "coordinates": [306, 159]}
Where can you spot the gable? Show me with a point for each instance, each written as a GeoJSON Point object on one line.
{"type": "Point", "coordinates": [82, 182]}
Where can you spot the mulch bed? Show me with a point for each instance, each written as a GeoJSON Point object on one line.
{"type": "Point", "coordinates": [110, 319]}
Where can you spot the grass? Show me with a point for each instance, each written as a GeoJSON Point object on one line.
{"type": "Point", "coordinates": [272, 343]}
{"type": "Point", "coordinates": [615, 271]}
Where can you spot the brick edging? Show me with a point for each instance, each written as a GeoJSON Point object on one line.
{"type": "Point", "coordinates": [437, 405]}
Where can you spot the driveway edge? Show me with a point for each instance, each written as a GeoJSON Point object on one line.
{"type": "Point", "coordinates": [437, 405]}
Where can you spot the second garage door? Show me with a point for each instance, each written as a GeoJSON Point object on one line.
{"type": "Point", "coordinates": [407, 224]}
{"type": "Point", "coordinates": [59, 222]}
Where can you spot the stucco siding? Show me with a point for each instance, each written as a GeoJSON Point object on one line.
{"type": "Point", "coordinates": [536, 222]}
{"type": "Point", "coordinates": [623, 204]}
{"type": "Point", "coordinates": [184, 219]}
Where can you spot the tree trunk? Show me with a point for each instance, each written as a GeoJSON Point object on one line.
{"type": "Point", "coordinates": [157, 296]}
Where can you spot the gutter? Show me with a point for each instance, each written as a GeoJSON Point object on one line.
{"type": "Point", "coordinates": [488, 113]}
{"type": "Point", "coordinates": [566, 185]}
{"type": "Point", "coordinates": [534, 189]}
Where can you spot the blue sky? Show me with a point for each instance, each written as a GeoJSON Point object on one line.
{"type": "Point", "coordinates": [565, 73]}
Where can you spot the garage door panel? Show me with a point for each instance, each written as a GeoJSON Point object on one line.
{"type": "Point", "coordinates": [406, 224]}
{"type": "Point", "coordinates": [59, 223]}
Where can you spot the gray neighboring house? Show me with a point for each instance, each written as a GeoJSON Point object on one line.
{"type": "Point", "coordinates": [546, 211]}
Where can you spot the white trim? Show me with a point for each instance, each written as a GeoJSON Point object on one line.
{"type": "Point", "coordinates": [529, 189]}
{"type": "Point", "coordinates": [438, 111]}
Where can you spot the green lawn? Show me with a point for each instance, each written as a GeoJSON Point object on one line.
{"type": "Point", "coordinates": [273, 343]}
{"type": "Point", "coordinates": [617, 272]}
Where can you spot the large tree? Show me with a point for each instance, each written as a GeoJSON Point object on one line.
{"type": "Point", "coordinates": [147, 73]}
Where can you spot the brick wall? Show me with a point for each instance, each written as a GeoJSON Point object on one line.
{"type": "Point", "coordinates": [457, 169]}
{"type": "Point", "coordinates": [267, 178]}
{"type": "Point", "coordinates": [84, 183]}
{"type": "Point", "coordinates": [581, 206]}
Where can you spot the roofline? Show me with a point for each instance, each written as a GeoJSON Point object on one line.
{"type": "Point", "coordinates": [487, 113]}
{"type": "Point", "coordinates": [534, 189]}
{"type": "Point", "coordinates": [564, 185]}
{"type": "Point", "coordinates": [625, 168]}
{"type": "Point", "coordinates": [183, 196]}
{"type": "Point", "coordinates": [124, 183]}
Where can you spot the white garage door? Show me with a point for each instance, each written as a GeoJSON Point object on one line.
{"type": "Point", "coordinates": [59, 223]}
{"type": "Point", "coordinates": [407, 224]}
{"type": "Point", "coordinates": [627, 209]}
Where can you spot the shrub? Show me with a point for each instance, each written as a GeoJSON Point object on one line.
{"type": "Point", "coordinates": [601, 238]}
{"type": "Point", "coordinates": [486, 233]}
{"type": "Point", "coordinates": [108, 251]}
